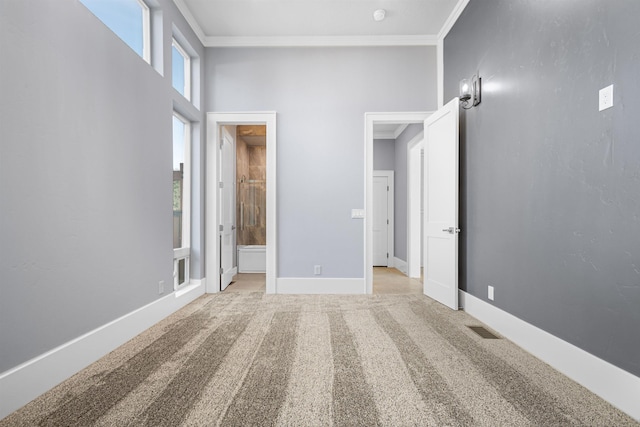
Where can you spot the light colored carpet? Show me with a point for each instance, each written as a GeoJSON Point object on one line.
{"type": "Point", "coordinates": [250, 359]}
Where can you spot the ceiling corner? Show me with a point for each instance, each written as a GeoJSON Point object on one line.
{"type": "Point", "coordinates": [453, 17]}
{"type": "Point", "coordinates": [191, 20]}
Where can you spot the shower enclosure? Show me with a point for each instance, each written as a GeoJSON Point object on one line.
{"type": "Point", "coordinates": [251, 212]}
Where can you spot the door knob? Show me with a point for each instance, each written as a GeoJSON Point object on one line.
{"type": "Point", "coordinates": [451, 230]}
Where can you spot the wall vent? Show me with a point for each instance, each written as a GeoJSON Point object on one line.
{"type": "Point", "coordinates": [483, 332]}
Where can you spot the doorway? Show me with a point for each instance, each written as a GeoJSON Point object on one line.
{"type": "Point", "coordinates": [372, 119]}
{"type": "Point", "coordinates": [215, 220]}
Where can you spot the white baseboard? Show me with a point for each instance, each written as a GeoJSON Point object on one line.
{"type": "Point", "coordinates": [25, 382]}
{"type": "Point", "coordinates": [400, 265]}
{"type": "Point", "coordinates": [615, 385]}
{"type": "Point", "coordinates": [313, 285]}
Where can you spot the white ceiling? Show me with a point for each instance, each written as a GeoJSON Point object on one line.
{"type": "Point", "coordinates": [316, 22]}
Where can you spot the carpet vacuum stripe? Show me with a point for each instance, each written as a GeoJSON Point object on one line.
{"type": "Point", "coordinates": [447, 408]}
{"type": "Point", "coordinates": [353, 402]}
{"type": "Point", "coordinates": [539, 407]}
{"type": "Point", "coordinates": [326, 360]}
{"type": "Point", "coordinates": [185, 389]}
{"type": "Point", "coordinates": [308, 401]}
{"type": "Point", "coordinates": [86, 408]}
{"type": "Point", "coordinates": [262, 393]}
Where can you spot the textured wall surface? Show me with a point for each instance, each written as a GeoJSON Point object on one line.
{"type": "Point", "coordinates": [320, 96]}
{"type": "Point", "coordinates": [85, 166]}
{"type": "Point", "coordinates": [550, 186]}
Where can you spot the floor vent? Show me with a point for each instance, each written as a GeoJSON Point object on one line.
{"type": "Point", "coordinates": [483, 332]}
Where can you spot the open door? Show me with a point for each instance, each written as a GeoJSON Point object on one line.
{"type": "Point", "coordinates": [441, 205]}
{"type": "Point", "coordinates": [227, 209]}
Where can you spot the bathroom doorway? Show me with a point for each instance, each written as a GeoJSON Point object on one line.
{"type": "Point", "coordinates": [251, 198]}
{"type": "Point", "coordinates": [252, 187]}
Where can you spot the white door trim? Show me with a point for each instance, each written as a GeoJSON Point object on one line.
{"type": "Point", "coordinates": [369, 120]}
{"type": "Point", "coordinates": [414, 223]}
{"type": "Point", "coordinates": [212, 255]}
{"type": "Point", "coordinates": [389, 174]}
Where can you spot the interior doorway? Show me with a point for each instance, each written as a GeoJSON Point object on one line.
{"type": "Point", "coordinates": [371, 120]}
{"type": "Point", "coordinates": [221, 213]}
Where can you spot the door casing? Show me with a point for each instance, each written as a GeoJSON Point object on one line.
{"type": "Point", "coordinates": [414, 208]}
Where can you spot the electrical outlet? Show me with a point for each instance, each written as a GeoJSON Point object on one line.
{"type": "Point", "coordinates": [605, 98]}
{"type": "Point", "coordinates": [161, 287]}
{"type": "Point", "coordinates": [490, 295]}
{"type": "Point", "coordinates": [317, 270]}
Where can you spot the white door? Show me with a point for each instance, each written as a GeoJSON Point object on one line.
{"type": "Point", "coordinates": [441, 205]}
{"type": "Point", "coordinates": [227, 209]}
{"type": "Point", "coordinates": [381, 220]}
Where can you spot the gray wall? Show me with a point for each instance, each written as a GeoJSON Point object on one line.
{"type": "Point", "coordinates": [384, 154]}
{"type": "Point", "coordinates": [400, 194]}
{"type": "Point", "coordinates": [85, 166]}
{"type": "Point", "coordinates": [320, 95]}
{"type": "Point", "coordinates": [550, 185]}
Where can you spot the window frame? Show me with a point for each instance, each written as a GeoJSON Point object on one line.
{"type": "Point", "coordinates": [146, 31]}
{"type": "Point", "coordinates": [146, 28]}
{"type": "Point", "coordinates": [184, 251]}
{"type": "Point", "coordinates": [186, 68]}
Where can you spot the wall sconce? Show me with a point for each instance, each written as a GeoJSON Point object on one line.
{"type": "Point", "coordinates": [470, 92]}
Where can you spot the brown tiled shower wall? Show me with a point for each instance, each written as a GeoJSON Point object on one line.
{"type": "Point", "coordinates": [251, 193]}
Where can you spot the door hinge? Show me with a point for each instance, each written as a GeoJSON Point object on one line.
{"type": "Point", "coordinates": [221, 271]}
{"type": "Point", "coordinates": [387, 254]}
{"type": "Point", "coordinates": [387, 188]}
{"type": "Point", "coordinates": [221, 184]}
{"type": "Point", "coordinates": [387, 222]}
{"type": "Point", "coordinates": [221, 227]}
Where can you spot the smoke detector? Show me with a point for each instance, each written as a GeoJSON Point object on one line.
{"type": "Point", "coordinates": [379, 14]}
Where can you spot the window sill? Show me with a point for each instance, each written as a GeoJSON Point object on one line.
{"type": "Point", "coordinates": [185, 290]}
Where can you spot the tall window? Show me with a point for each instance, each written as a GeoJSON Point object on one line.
{"type": "Point", "coordinates": [181, 69]}
{"type": "Point", "coordinates": [181, 199]}
{"type": "Point", "coordinates": [129, 19]}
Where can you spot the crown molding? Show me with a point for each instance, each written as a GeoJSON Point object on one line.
{"type": "Point", "coordinates": [448, 24]}
{"type": "Point", "coordinates": [400, 129]}
{"type": "Point", "coordinates": [320, 41]}
{"type": "Point", "coordinates": [383, 135]}
{"type": "Point", "coordinates": [191, 20]}
{"type": "Point", "coordinates": [453, 17]}
{"type": "Point", "coordinates": [391, 134]}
